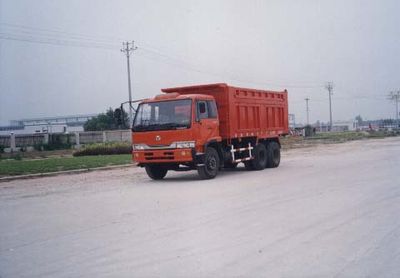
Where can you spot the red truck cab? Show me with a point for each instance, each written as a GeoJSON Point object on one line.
{"type": "Point", "coordinates": [188, 128]}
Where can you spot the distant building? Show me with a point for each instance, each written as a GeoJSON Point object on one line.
{"type": "Point", "coordinates": [345, 125]}
{"type": "Point", "coordinates": [47, 124]}
{"type": "Point", "coordinates": [337, 126]}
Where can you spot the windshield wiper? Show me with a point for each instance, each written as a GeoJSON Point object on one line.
{"type": "Point", "coordinates": [171, 125]}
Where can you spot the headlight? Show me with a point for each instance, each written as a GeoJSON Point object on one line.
{"type": "Point", "coordinates": [138, 147]}
{"type": "Point", "coordinates": [185, 145]}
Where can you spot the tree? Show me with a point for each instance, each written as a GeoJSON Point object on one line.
{"type": "Point", "coordinates": [107, 121]}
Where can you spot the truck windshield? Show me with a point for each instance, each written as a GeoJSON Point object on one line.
{"type": "Point", "coordinates": [163, 115]}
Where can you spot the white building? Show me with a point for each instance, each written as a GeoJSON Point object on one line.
{"type": "Point", "coordinates": [47, 124]}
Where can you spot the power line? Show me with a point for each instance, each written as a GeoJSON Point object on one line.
{"type": "Point", "coordinates": [53, 41]}
{"type": "Point", "coordinates": [25, 33]}
{"type": "Point", "coordinates": [30, 29]}
{"type": "Point", "coordinates": [30, 34]}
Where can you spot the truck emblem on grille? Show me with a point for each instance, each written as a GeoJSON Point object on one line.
{"type": "Point", "coordinates": [158, 138]}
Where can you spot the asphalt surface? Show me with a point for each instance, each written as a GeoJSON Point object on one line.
{"type": "Point", "coordinates": [327, 211]}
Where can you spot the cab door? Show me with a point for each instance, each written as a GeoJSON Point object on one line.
{"type": "Point", "coordinates": [207, 118]}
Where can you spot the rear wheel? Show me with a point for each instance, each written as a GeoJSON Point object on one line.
{"type": "Point", "coordinates": [273, 155]}
{"type": "Point", "coordinates": [156, 172]}
{"type": "Point", "coordinates": [211, 164]}
{"type": "Point", "coordinates": [260, 157]}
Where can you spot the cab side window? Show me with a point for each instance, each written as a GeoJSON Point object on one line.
{"type": "Point", "coordinates": [202, 110]}
{"type": "Point", "coordinates": [207, 110]}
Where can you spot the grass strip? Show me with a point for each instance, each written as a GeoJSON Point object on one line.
{"type": "Point", "coordinates": [23, 167]}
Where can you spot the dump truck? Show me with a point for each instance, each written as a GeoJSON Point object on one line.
{"type": "Point", "coordinates": [207, 128]}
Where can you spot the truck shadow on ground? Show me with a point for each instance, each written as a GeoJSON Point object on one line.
{"type": "Point", "coordinates": [192, 176]}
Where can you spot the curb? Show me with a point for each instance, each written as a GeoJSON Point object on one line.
{"type": "Point", "coordinates": [69, 172]}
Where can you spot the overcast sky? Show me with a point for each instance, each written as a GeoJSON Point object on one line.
{"type": "Point", "coordinates": [63, 57]}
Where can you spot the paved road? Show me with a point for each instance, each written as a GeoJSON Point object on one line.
{"type": "Point", "coordinates": [327, 211]}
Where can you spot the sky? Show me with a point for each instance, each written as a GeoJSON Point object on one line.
{"type": "Point", "coordinates": [64, 58]}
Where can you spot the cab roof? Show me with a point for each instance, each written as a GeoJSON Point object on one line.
{"type": "Point", "coordinates": [194, 88]}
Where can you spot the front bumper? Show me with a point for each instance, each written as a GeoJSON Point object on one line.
{"type": "Point", "coordinates": [163, 156]}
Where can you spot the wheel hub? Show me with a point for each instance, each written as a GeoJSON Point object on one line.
{"type": "Point", "coordinates": [212, 163]}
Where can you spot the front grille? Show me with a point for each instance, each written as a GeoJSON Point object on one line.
{"type": "Point", "coordinates": [159, 147]}
{"type": "Point", "coordinates": [165, 156]}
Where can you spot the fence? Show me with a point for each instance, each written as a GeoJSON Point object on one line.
{"type": "Point", "coordinates": [15, 142]}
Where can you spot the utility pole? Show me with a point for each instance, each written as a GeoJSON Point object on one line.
{"type": "Point", "coordinates": [395, 96]}
{"type": "Point", "coordinates": [128, 48]}
{"type": "Point", "coordinates": [329, 87]}
{"type": "Point", "coordinates": [307, 110]}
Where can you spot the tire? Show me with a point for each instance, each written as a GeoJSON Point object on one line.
{"type": "Point", "coordinates": [260, 157]}
{"type": "Point", "coordinates": [211, 164]}
{"type": "Point", "coordinates": [156, 172]}
{"type": "Point", "coordinates": [273, 155]}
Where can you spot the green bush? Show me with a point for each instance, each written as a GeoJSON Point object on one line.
{"type": "Point", "coordinates": [52, 146]}
{"type": "Point", "coordinates": [18, 156]}
{"type": "Point", "coordinates": [2, 148]}
{"type": "Point", "coordinates": [56, 146]}
{"type": "Point", "coordinates": [58, 142]}
{"type": "Point", "coordinates": [105, 149]}
{"type": "Point", "coordinates": [39, 146]}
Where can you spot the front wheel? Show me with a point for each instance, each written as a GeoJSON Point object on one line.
{"type": "Point", "coordinates": [156, 172]}
{"type": "Point", "coordinates": [211, 164]}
